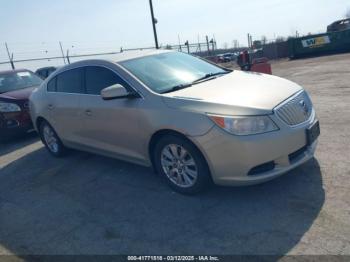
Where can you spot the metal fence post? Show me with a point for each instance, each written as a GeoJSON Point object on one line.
{"type": "Point", "coordinates": [10, 57]}
{"type": "Point", "coordinates": [68, 56]}
{"type": "Point", "coordinates": [207, 39]}
{"type": "Point", "coordinates": [64, 60]}
{"type": "Point", "coordinates": [188, 46]}
{"type": "Point", "coordinates": [178, 37]}
{"type": "Point", "coordinates": [199, 45]}
{"type": "Point", "coordinates": [11, 61]}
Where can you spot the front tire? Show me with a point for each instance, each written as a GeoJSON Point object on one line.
{"type": "Point", "coordinates": [51, 140]}
{"type": "Point", "coordinates": [181, 164]}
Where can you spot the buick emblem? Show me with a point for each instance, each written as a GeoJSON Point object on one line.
{"type": "Point", "coordinates": [304, 106]}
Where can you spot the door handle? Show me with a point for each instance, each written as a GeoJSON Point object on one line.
{"type": "Point", "coordinates": [88, 112]}
{"type": "Point", "coordinates": [50, 107]}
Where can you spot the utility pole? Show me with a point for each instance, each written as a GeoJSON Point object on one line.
{"type": "Point", "coordinates": [10, 57]}
{"type": "Point", "coordinates": [64, 60]}
{"type": "Point", "coordinates": [154, 22]}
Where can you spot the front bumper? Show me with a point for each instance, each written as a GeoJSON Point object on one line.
{"type": "Point", "coordinates": [246, 160]}
{"type": "Point", "coordinates": [13, 124]}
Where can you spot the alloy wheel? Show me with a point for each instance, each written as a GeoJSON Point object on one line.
{"type": "Point", "coordinates": [50, 139]}
{"type": "Point", "coordinates": [179, 165]}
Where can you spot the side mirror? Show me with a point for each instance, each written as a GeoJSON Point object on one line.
{"type": "Point", "coordinates": [114, 92]}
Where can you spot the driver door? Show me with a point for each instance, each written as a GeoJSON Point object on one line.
{"type": "Point", "coordinates": [110, 126]}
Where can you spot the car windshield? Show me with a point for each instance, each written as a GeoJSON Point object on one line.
{"type": "Point", "coordinates": [163, 72]}
{"type": "Point", "coordinates": [18, 80]}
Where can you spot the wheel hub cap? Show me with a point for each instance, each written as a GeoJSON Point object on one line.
{"type": "Point", "coordinates": [179, 165]}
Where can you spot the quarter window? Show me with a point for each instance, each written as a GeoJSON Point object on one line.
{"type": "Point", "coordinates": [70, 81]}
{"type": "Point", "coordinates": [98, 78]}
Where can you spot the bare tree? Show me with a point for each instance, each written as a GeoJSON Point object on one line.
{"type": "Point", "coordinates": [280, 39]}
{"type": "Point", "coordinates": [263, 40]}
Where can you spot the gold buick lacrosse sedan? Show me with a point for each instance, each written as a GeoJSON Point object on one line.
{"type": "Point", "coordinates": [194, 122]}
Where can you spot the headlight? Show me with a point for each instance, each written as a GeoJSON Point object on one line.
{"type": "Point", "coordinates": [244, 125]}
{"type": "Point", "coordinates": [9, 107]}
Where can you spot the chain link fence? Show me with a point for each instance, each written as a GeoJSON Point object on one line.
{"type": "Point", "coordinates": [20, 59]}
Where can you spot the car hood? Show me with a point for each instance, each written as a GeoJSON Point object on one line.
{"type": "Point", "coordinates": [20, 94]}
{"type": "Point", "coordinates": [238, 93]}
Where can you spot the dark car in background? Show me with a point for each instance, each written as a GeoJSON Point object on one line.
{"type": "Point", "coordinates": [227, 57]}
{"type": "Point", "coordinates": [44, 72]}
{"type": "Point", "coordinates": [15, 88]}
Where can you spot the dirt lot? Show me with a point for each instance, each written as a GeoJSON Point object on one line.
{"type": "Point", "coordinates": [87, 204]}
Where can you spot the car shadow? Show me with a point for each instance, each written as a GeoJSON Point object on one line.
{"type": "Point", "coordinates": [87, 204]}
{"type": "Point", "coordinates": [17, 142]}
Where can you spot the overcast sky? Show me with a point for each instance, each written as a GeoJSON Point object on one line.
{"type": "Point", "coordinates": [33, 27]}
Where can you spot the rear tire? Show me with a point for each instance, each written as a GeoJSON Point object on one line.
{"type": "Point", "coordinates": [51, 140]}
{"type": "Point", "coordinates": [181, 164]}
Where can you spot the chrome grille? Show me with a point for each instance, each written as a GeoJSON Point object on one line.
{"type": "Point", "coordinates": [295, 110]}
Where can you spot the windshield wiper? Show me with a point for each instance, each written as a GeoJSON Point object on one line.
{"type": "Point", "coordinates": [210, 75]}
{"type": "Point", "coordinates": [207, 76]}
{"type": "Point", "coordinates": [177, 87]}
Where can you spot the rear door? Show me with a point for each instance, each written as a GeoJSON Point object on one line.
{"type": "Point", "coordinates": [65, 104]}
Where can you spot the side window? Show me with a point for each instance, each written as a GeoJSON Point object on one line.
{"type": "Point", "coordinates": [70, 81]}
{"type": "Point", "coordinates": [51, 85]}
{"type": "Point", "coordinates": [98, 78]}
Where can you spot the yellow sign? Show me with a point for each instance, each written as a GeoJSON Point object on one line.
{"type": "Point", "coordinates": [316, 41]}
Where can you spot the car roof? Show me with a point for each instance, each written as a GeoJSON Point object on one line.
{"type": "Point", "coordinates": [128, 55]}
{"type": "Point", "coordinates": [115, 58]}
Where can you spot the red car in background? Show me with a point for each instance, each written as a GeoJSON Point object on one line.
{"type": "Point", "coordinates": [15, 88]}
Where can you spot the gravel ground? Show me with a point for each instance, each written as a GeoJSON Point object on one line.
{"type": "Point", "coordinates": [88, 204]}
